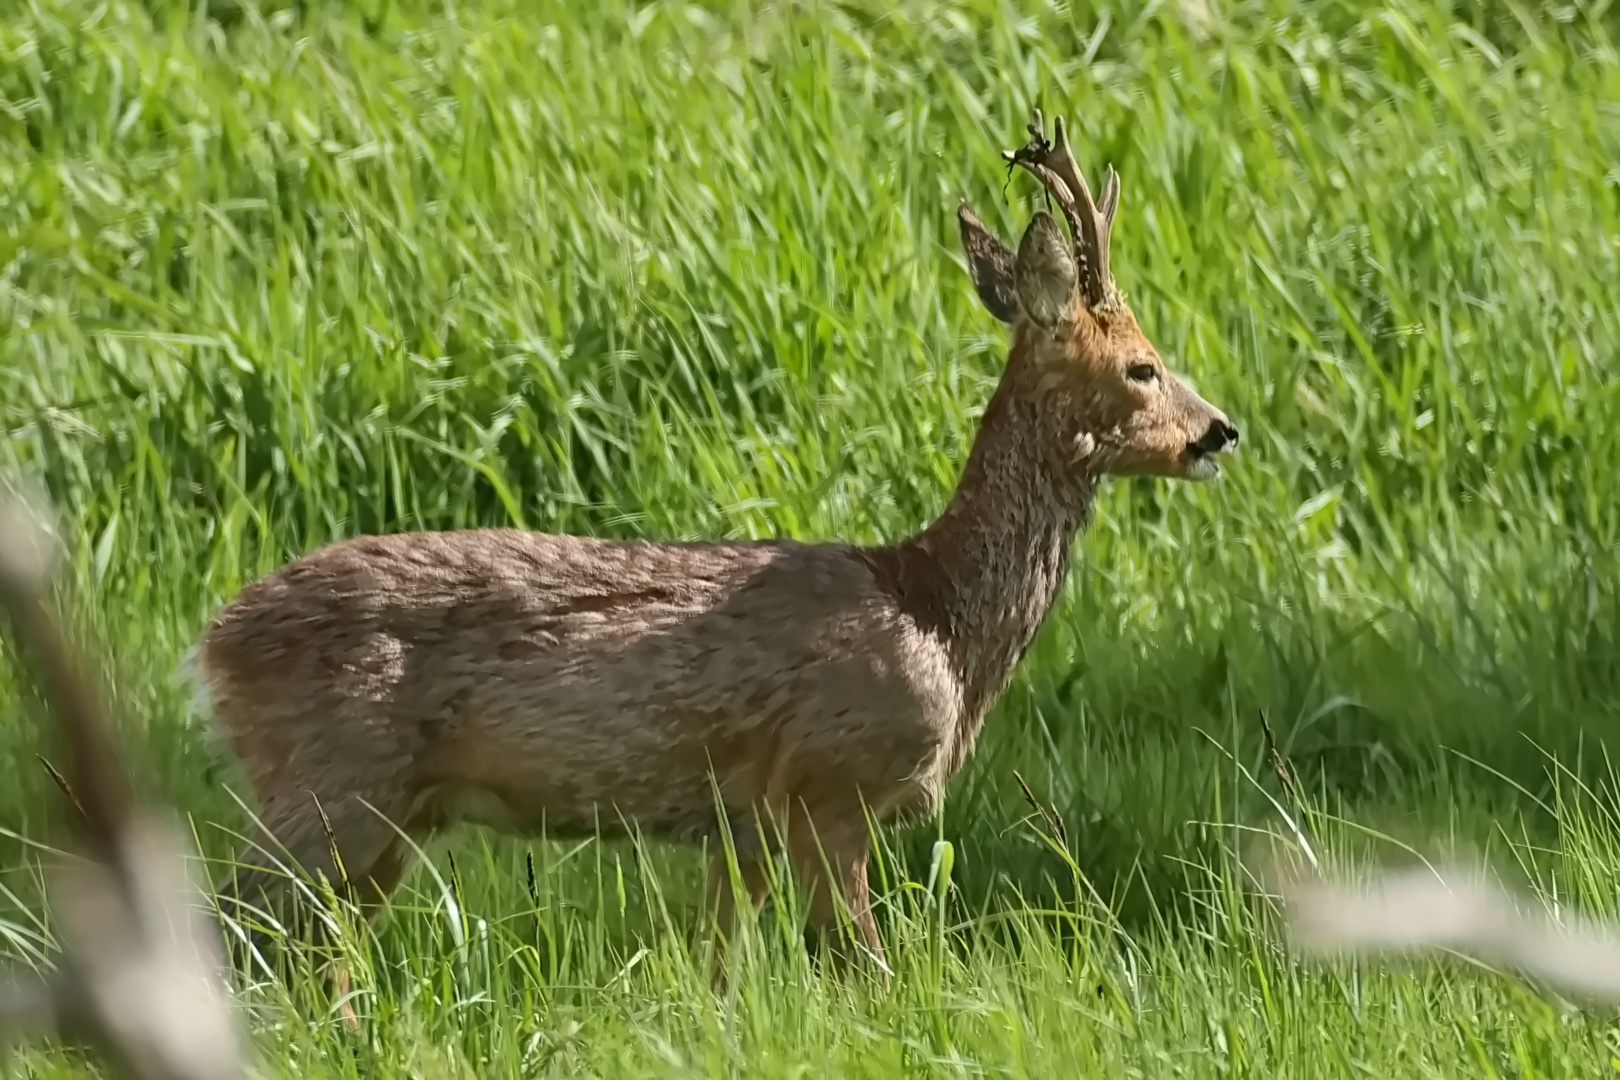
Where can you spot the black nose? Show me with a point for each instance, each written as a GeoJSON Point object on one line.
{"type": "Point", "coordinates": [1219, 436]}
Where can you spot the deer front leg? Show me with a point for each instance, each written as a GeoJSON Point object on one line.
{"type": "Point", "coordinates": [721, 895]}
{"type": "Point", "coordinates": [832, 857]}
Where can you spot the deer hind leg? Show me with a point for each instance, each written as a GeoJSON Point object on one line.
{"type": "Point", "coordinates": [370, 893]}
{"type": "Point", "coordinates": [349, 840]}
{"type": "Point", "coordinates": [362, 855]}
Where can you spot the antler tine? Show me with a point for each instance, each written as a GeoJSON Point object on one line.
{"type": "Point", "coordinates": [1033, 158]}
{"type": "Point", "coordinates": [1109, 203]}
{"type": "Point", "coordinates": [1054, 165]}
{"type": "Point", "coordinates": [1107, 207]}
{"type": "Point", "coordinates": [1061, 161]}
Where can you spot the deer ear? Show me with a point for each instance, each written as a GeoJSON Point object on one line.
{"type": "Point", "coordinates": [991, 265]}
{"type": "Point", "coordinates": [1045, 272]}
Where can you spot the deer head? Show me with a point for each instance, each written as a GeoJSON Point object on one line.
{"type": "Point", "coordinates": [1098, 383]}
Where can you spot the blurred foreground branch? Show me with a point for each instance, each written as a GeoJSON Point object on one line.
{"type": "Point", "coordinates": [140, 973]}
{"type": "Point", "coordinates": [1454, 909]}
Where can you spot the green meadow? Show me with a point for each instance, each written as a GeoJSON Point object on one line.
{"type": "Point", "coordinates": [276, 274]}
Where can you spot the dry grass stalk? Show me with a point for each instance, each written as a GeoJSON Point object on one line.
{"type": "Point", "coordinates": [140, 973]}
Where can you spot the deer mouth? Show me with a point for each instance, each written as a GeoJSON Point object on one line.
{"type": "Point", "coordinates": [1201, 463]}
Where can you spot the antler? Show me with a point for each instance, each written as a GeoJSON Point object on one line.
{"type": "Point", "coordinates": [139, 971]}
{"type": "Point", "coordinates": [1054, 165]}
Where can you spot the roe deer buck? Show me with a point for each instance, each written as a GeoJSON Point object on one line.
{"type": "Point", "coordinates": [529, 681]}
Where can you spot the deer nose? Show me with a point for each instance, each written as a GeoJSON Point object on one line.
{"type": "Point", "coordinates": [1219, 436]}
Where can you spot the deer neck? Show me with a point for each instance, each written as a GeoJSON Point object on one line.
{"type": "Point", "coordinates": [985, 574]}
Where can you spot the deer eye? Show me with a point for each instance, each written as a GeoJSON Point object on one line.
{"type": "Point", "coordinates": [1142, 373]}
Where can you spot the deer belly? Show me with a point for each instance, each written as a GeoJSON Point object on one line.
{"type": "Point", "coordinates": [601, 785]}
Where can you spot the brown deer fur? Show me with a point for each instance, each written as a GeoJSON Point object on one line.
{"type": "Point", "coordinates": [578, 685]}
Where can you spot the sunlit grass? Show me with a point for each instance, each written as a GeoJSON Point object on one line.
{"type": "Point", "coordinates": [683, 270]}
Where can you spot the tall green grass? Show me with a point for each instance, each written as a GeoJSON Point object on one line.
{"type": "Point", "coordinates": [274, 275]}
